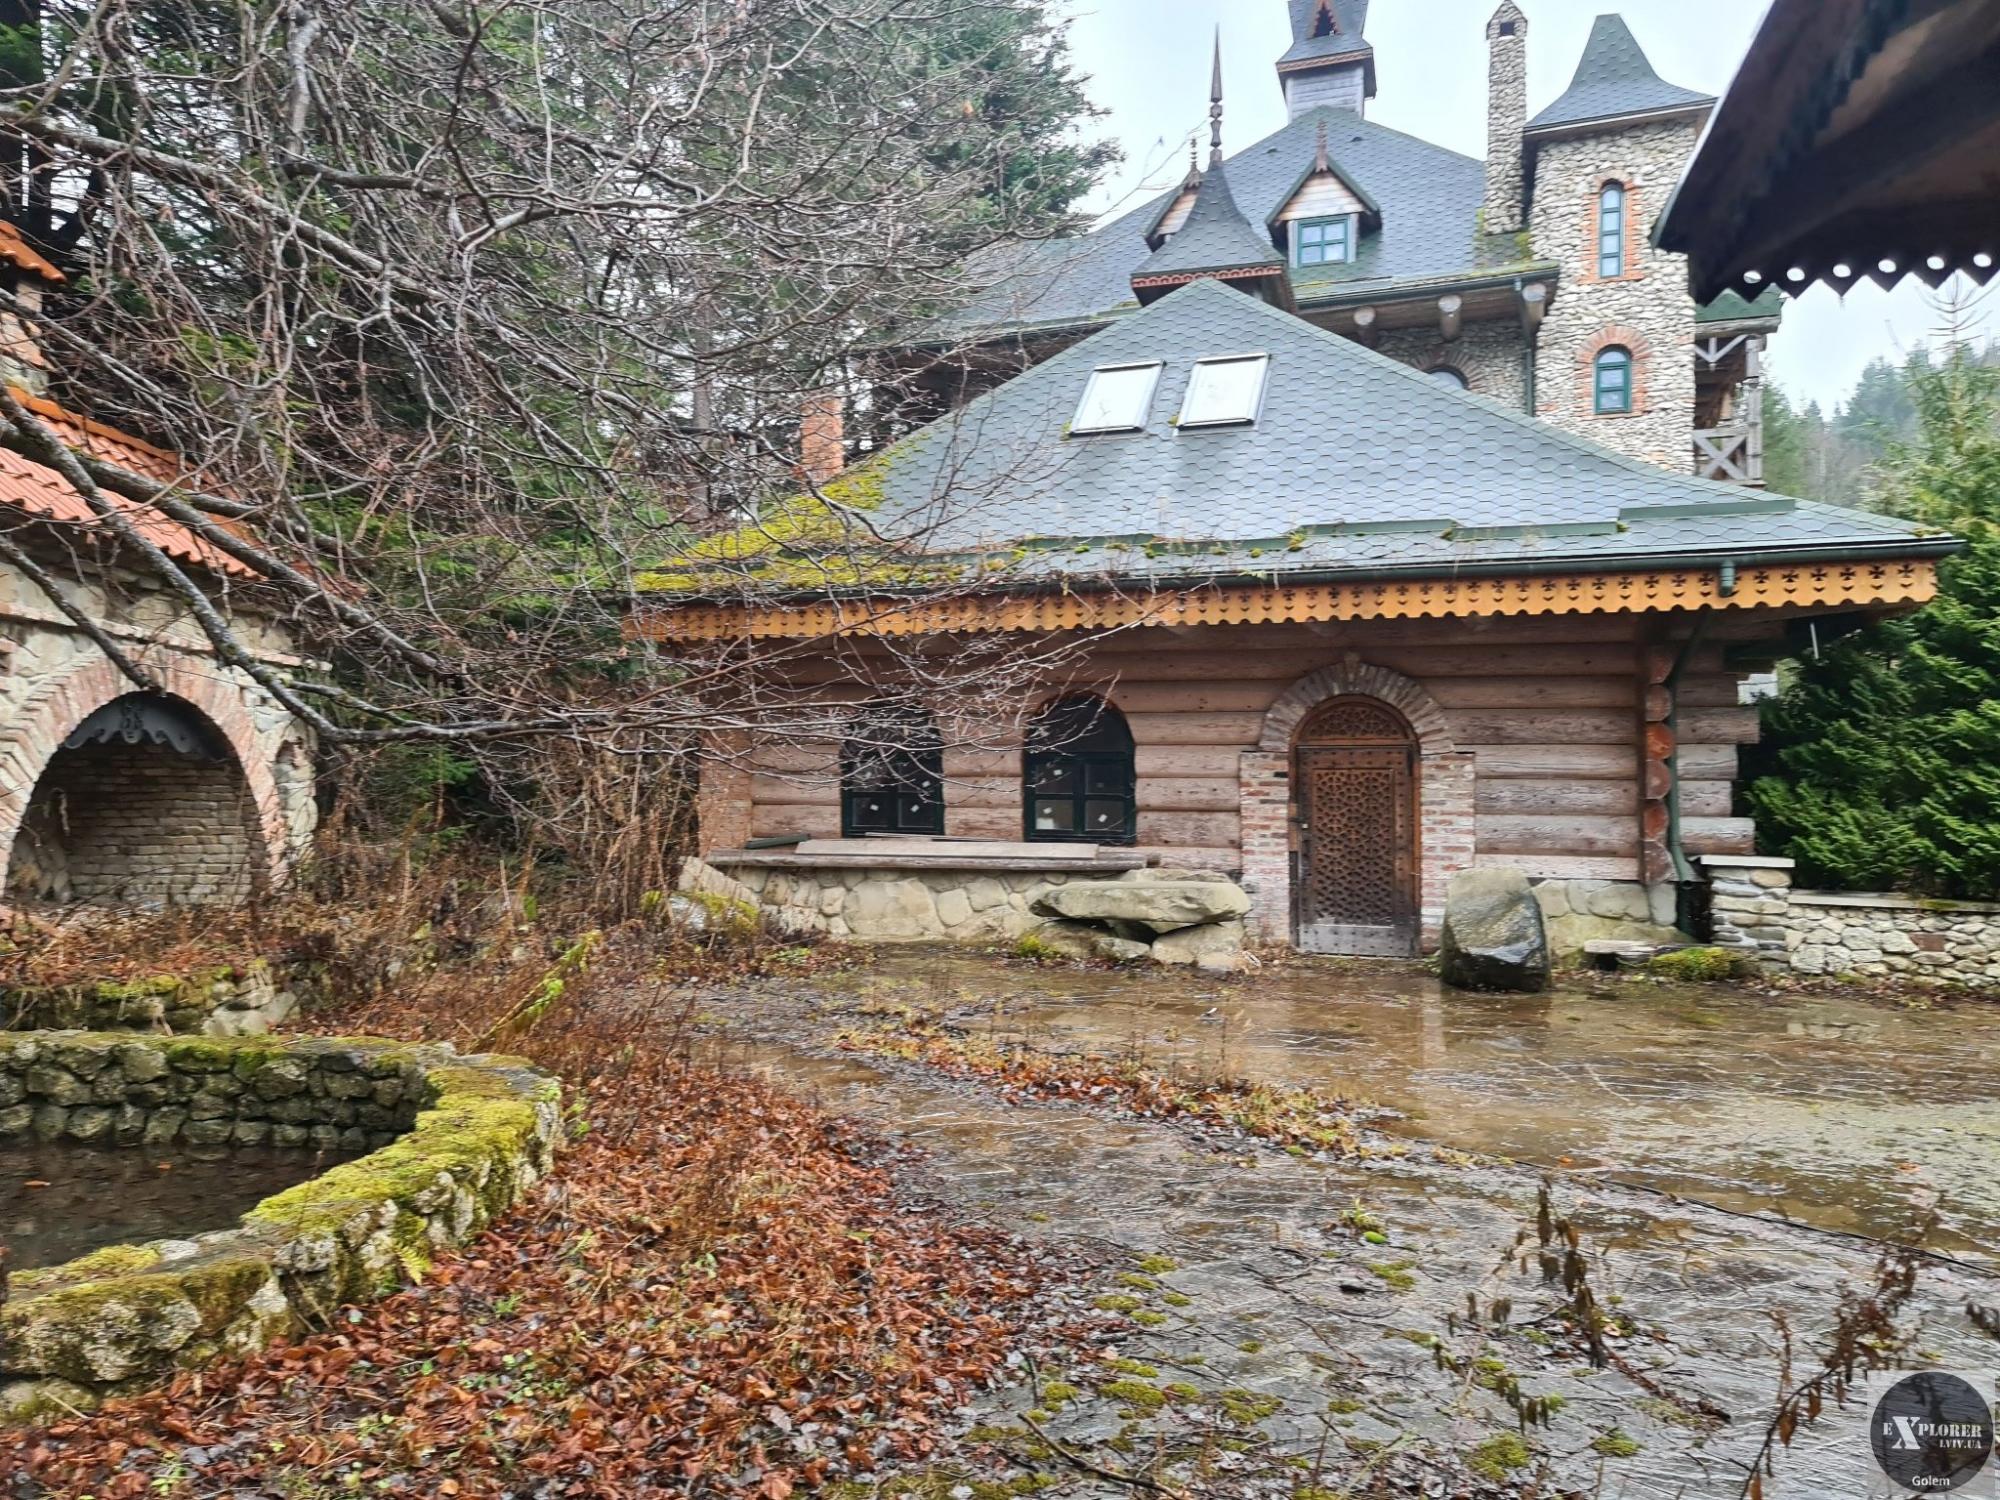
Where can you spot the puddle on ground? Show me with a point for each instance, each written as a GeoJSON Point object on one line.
{"type": "Point", "coordinates": [61, 1201]}
{"type": "Point", "coordinates": [1847, 1115]}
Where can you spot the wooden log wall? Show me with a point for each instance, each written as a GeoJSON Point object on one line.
{"type": "Point", "coordinates": [1546, 708]}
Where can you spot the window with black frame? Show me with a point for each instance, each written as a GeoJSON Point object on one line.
{"type": "Point", "coordinates": [891, 774]}
{"type": "Point", "coordinates": [1077, 779]}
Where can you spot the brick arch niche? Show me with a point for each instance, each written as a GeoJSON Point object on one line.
{"type": "Point", "coordinates": [1264, 779]}
{"type": "Point", "coordinates": [139, 821]}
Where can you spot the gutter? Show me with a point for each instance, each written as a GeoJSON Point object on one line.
{"type": "Point", "coordinates": [1727, 559]}
{"type": "Point", "coordinates": [1676, 850]}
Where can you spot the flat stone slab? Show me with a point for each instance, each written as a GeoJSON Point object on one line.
{"type": "Point", "coordinates": [1160, 905]}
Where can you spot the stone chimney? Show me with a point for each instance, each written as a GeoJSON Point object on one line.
{"type": "Point", "coordinates": [1506, 117]}
{"type": "Point", "coordinates": [822, 442]}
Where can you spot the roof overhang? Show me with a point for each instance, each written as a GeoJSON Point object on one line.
{"type": "Point", "coordinates": [1535, 135]}
{"type": "Point", "coordinates": [1886, 577]}
{"type": "Point", "coordinates": [1860, 138]}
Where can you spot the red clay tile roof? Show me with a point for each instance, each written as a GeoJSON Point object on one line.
{"type": "Point", "coordinates": [43, 493]}
{"type": "Point", "coordinates": [19, 252]}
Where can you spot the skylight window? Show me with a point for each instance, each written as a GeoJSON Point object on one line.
{"type": "Point", "coordinates": [1116, 398]}
{"type": "Point", "coordinates": [1225, 392]}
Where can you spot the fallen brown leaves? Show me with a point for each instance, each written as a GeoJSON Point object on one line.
{"type": "Point", "coordinates": [719, 1292]}
{"type": "Point", "coordinates": [1298, 1119]}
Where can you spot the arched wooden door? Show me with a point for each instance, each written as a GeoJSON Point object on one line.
{"type": "Point", "coordinates": [1354, 806]}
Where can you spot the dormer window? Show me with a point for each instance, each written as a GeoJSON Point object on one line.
{"type": "Point", "coordinates": [1116, 398]}
{"type": "Point", "coordinates": [1225, 392]}
{"type": "Point", "coordinates": [1321, 242]}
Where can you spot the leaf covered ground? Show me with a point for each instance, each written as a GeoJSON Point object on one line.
{"type": "Point", "coordinates": [719, 1291]}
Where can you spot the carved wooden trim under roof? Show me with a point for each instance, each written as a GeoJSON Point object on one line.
{"type": "Point", "coordinates": [1860, 585]}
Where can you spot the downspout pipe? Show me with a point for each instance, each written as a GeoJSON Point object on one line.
{"type": "Point", "coordinates": [1684, 871]}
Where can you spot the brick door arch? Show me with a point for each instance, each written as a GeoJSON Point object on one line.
{"type": "Point", "coordinates": [1443, 817]}
{"type": "Point", "coordinates": [49, 716]}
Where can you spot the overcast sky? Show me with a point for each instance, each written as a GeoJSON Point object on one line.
{"type": "Point", "coordinates": [1148, 62]}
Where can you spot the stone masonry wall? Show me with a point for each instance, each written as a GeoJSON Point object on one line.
{"type": "Point", "coordinates": [135, 825]}
{"type": "Point", "coordinates": [1754, 907]}
{"type": "Point", "coordinates": [1648, 309]}
{"type": "Point", "coordinates": [224, 1000]}
{"type": "Point", "coordinates": [457, 1140]}
{"type": "Point", "coordinates": [1488, 355]}
{"type": "Point", "coordinates": [900, 904]}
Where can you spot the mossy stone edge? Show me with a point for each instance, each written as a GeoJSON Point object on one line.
{"type": "Point", "coordinates": [124, 1317]}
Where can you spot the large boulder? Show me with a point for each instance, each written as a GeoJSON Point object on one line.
{"type": "Point", "coordinates": [1190, 945]}
{"type": "Point", "coordinates": [1078, 940]}
{"type": "Point", "coordinates": [1157, 905]}
{"type": "Point", "coordinates": [1494, 938]}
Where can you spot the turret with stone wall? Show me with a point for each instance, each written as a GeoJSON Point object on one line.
{"type": "Point", "coordinates": [1647, 310]}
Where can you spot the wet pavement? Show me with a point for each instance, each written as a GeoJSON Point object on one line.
{"type": "Point", "coordinates": [1728, 1159]}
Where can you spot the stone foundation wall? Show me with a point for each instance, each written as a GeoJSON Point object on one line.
{"type": "Point", "coordinates": [227, 1001]}
{"type": "Point", "coordinates": [1582, 911]}
{"type": "Point", "coordinates": [460, 1139]}
{"type": "Point", "coordinates": [901, 905]}
{"type": "Point", "coordinates": [1753, 906]}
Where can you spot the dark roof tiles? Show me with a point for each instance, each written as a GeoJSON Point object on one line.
{"type": "Point", "coordinates": [1355, 462]}
{"type": "Point", "coordinates": [1613, 78]}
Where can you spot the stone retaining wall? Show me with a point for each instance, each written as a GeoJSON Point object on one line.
{"type": "Point", "coordinates": [900, 903]}
{"type": "Point", "coordinates": [228, 1000]}
{"type": "Point", "coordinates": [459, 1140]}
{"type": "Point", "coordinates": [1753, 906]}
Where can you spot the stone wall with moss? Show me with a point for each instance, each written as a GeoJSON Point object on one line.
{"type": "Point", "coordinates": [457, 1141]}
{"type": "Point", "coordinates": [221, 1000]}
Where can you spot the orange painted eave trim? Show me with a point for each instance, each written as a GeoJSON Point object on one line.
{"type": "Point", "coordinates": [1899, 584]}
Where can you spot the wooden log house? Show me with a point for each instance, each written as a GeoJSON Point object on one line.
{"type": "Point", "coordinates": [1332, 628]}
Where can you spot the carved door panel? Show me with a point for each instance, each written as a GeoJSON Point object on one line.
{"type": "Point", "coordinates": [1356, 886]}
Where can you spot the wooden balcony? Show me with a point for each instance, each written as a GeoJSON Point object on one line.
{"type": "Point", "coordinates": [1733, 454]}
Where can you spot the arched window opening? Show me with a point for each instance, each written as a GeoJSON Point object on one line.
{"type": "Point", "coordinates": [1611, 382]}
{"type": "Point", "coordinates": [1451, 376]}
{"type": "Point", "coordinates": [143, 805]}
{"type": "Point", "coordinates": [1077, 774]}
{"type": "Point", "coordinates": [891, 773]}
{"type": "Point", "coordinates": [1611, 230]}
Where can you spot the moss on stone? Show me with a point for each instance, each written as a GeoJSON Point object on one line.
{"type": "Point", "coordinates": [1498, 1457]}
{"type": "Point", "coordinates": [1695, 965]}
{"type": "Point", "coordinates": [1137, 1395]}
{"type": "Point", "coordinates": [1615, 1444]}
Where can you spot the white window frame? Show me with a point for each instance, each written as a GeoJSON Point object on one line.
{"type": "Point", "coordinates": [1263, 362]}
{"type": "Point", "coordinates": [1145, 405]}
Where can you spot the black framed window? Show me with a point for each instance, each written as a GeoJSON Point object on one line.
{"type": "Point", "coordinates": [1611, 231]}
{"type": "Point", "coordinates": [1077, 779]}
{"type": "Point", "coordinates": [1612, 382]}
{"type": "Point", "coordinates": [891, 774]}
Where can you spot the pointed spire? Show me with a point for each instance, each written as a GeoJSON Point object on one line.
{"type": "Point", "coordinates": [1215, 104]}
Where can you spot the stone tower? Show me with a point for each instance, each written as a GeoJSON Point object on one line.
{"type": "Point", "coordinates": [1602, 160]}
{"type": "Point", "coordinates": [1506, 118]}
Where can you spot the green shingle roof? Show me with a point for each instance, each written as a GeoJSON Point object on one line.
{"type": "Point", "coordinates": [1614, 78]}
{"type": "Point", "coordinates": [1355, 463]}
{"type": "Point", "coordinates": [1428, 197]}
{"type": "Point", "coordinates": [1345, 40]}
{"type": "Point", "coordinates": [1215, 237]}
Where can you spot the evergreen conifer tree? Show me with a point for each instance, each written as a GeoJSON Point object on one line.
{"type": "Point", "coordinates": [1882, 756]}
